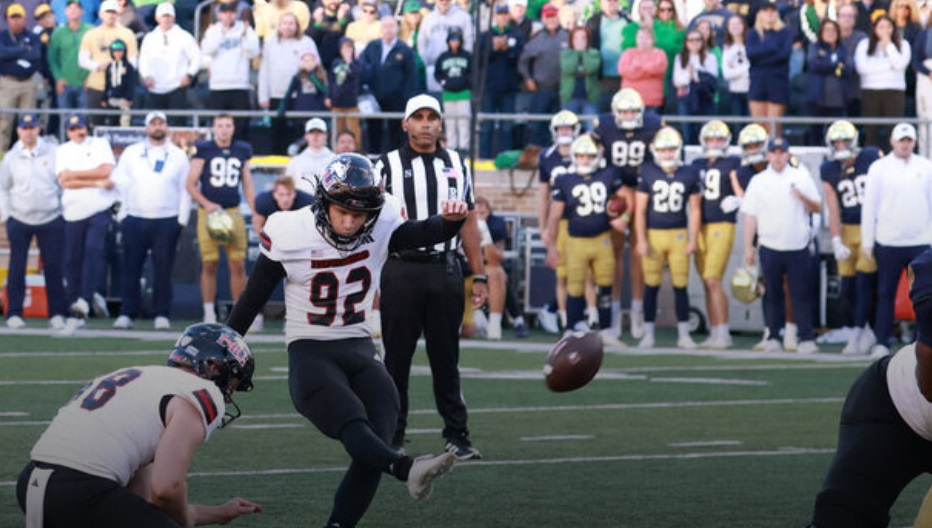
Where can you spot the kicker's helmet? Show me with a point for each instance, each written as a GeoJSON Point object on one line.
{"type": "Point", "coordinates": [747, 285]}
{"type": "Point", "coordinates": [753, 139]}
{"type": "Point", "coordinates": [714, 138]}
{"type": "Point", "coordinates": [838, 132]}
{"type": "Point", "coordinates": [585, 146]}
{"type": "Point", "coordinates": [667, 139]}
{"type": "Point", "coordinates": [220, 226]}
{"type": "Point", "coordinates": [349, 182]}
{"type": "Point", "coordinates": [216, 353]}
{"type": "Point", "coordinates": [564, 118]}
{"type": "Point", "coordinates": [624, 103]}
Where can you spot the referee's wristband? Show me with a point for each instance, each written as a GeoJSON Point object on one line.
{"type": "Point", "coordinates": [480, 277]}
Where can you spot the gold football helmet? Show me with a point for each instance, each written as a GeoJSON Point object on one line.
{"type": "Point", "coordinates": [753, 139]}
{"type": "Point", "coordinates": [666, 147]}
{"type": "Point", "coordinates": [564, 118]}
{"type": "Point", "coordinates": [747, 285]}
{"type": "Point", "coordinates": [714, 130]}
{"type": "Point", "coordinates": [842, 131]}
{"type": "Point", "coordinates": [626, 101]}
{"type": "Point", "coordinates": [585, 146]}
{"type": "Point", "coordinates": [220, 226]}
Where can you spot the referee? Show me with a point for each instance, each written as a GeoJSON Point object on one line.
{"type": "Point", "coordinates": [422, 290]}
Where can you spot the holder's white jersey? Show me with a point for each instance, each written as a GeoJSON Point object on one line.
{"type": "Point", "coordinates": [327, 292]}
{"type": "Point", "coordinates": [113, 425]}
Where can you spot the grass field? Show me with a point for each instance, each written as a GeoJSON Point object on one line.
{"type": "Point", "coordinates": [664, 439]}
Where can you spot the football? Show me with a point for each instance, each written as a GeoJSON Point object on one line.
{"type": "Point", "coordinates": [616, 206]}
{"type": "Point", "coordinates": [573, 361]}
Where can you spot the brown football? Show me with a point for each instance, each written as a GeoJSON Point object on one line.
{"type": "Point", "coordinates": [616, 206]}
{"type": "Point", "coordinates": [573, 361]}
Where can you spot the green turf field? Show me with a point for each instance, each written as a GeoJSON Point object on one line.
{"type": "Point", "coordinates": [657, 440]}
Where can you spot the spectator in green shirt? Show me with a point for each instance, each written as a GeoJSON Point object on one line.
{"type": "Point", "coordinates": [63, 58]}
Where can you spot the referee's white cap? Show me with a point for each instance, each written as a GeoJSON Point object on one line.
{"type": "Point", "coordinates": [419, 102]}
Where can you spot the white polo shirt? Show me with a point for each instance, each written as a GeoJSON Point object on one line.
{"type": "Point", "coordinates": [151, 181]}
{"type": "Point", "coordinates": [782, 219]}
{"type": "Point", "coordinates": [78, 204]}
{"type": "Point", "coordinates": [897, 203]}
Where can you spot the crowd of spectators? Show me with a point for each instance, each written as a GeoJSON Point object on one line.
{"type": "Point", "coordinates": [763, 58]}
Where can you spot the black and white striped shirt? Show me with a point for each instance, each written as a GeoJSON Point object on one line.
{"type": "Point", "coordinates": [421, 181]}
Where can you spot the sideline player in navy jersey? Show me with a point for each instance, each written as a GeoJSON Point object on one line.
{"type": "Point", "coordinates": [753, 142]}
{"type": "Point", "coordinates": [330, 256]}
{"type": "Point", "coordinates": [552, 162]}
{"type": "Point", "coordinates": [844, 176]}
{"type": "Point", "coordinates": [625, 135]}
{"type": "Point", "coordinates": [718, 173]}
{"type": "Point", "coordinates": [284, 196]}
{"type": "Point", "coordinates": [666, 231]}
{"type": "Point", "coordinates": [218, 169]}
{"type": "Point", "coordinates": [581, 195]}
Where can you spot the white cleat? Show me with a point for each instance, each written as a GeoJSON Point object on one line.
{"type": "Point", "coordinates": [646, 342]}
{"type": "Point", "coordinates": [610, 339]}
{"type": "Point", "coordinates": [210, 317]}
{"type": "Point", "coordinates": [685, 342]}
{"type": "Point", "coordinates": [853, 346]}
{"type": "Point", "coordinates": [15, 322]}
{"type": "Point", "coordinates": [71, 326]}
{"type": "Point", "coordinates": [772, 345]}
{"type": "Point", "coordinates": [807, 347]}
{"type": "Point", "coordinates": [57, 322]}
{"type": "Point", "coordinates": [762, 344]}
{"type": "Point", "coordinates": [80, 308]}
{"type": "Point", "coordinates": [493, 332]}
{"type": "Point", "coordinates": [123, 322]}
{"type": "Point", "coordinates": [717, 343]}
{"type": "Point", "coordinates": [162, 323]}
{"type": "Point", "coordinates": [482, 323]}
{"type": "Point", "coordinates": [868, 340]}
{"type": "Point", "coordinates": [548, 321]}
{"type": "Point", "coordinates": [637, 324]}
{"type": "Point", "coordinates": [790, 337]}
{"type": "Point", "coordinates": [99, 306]}
{"type": "Point", "coordinates": [425, 470]}
{"type": "Point", "coordinates": [879, 351]}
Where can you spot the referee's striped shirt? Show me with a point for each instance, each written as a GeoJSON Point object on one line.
{"type": "Point", "coordinates": [421, 181]}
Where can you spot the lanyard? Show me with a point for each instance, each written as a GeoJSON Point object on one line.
{"type": "Point", "coordinates": [159, 163]}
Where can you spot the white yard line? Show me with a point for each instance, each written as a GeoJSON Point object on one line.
{"type": "Point", "coordinates": [524, 410]}
{"type": "Point", "coordinates": [779, 452]}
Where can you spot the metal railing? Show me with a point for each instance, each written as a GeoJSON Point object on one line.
{"type": "Point", "coordinates": [202, 118]}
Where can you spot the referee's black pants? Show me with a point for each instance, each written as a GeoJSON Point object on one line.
{"type": "Point", "coordinates": [425, 297]}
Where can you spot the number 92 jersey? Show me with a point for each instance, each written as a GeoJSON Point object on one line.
{"type": "Point", "coordinates": [585, 198]}
{"type": "Point", "coordinates": [113, 425]}
{"type": "Point", "coordinates": [668, 195]}
{"type": "Point", "coordinates": [716, 185]}
{"type": "Point", "coordinates": [849, 182]}
{"type": "Point", "coordinates": [627, 149]}
{"type": "Point", "coordinates": [327, 292]}
{"type": "Point", "coordinates": [223, 169]}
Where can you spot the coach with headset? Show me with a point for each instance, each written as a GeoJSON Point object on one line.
{"type": "Point", "coordinates": [422, 290]}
